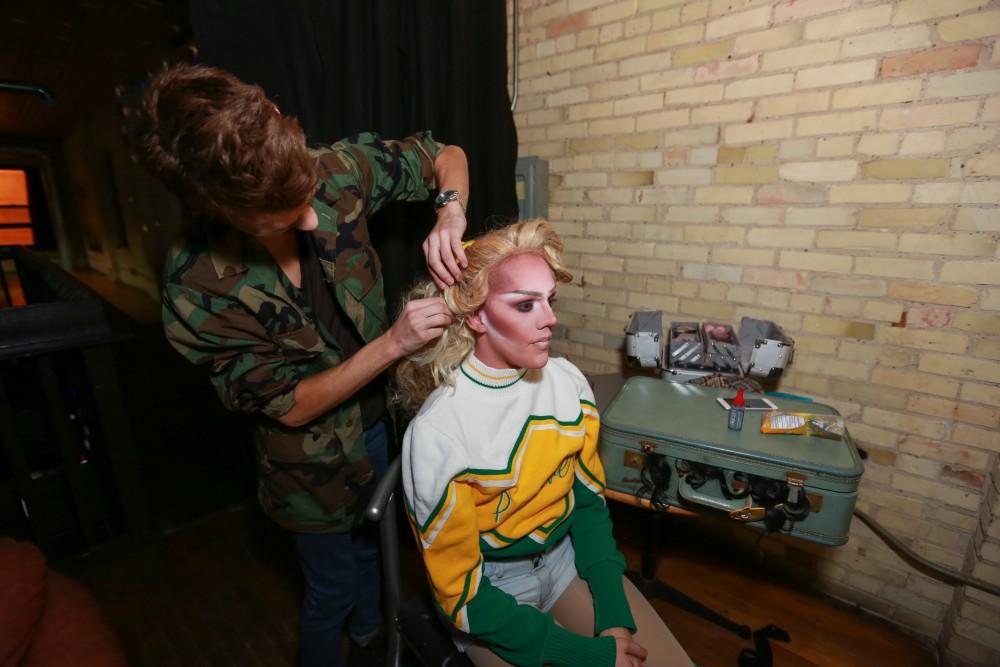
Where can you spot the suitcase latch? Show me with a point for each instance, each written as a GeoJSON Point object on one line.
{"type": "Point", "coordinates": [749, 513]}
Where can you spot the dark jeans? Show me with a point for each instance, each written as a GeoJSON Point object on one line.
{"type": "Point", "coordinates": [343, 580]}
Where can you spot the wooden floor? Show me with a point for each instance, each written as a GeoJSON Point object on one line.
{"type": "Point", "coordinates": [225, 590]}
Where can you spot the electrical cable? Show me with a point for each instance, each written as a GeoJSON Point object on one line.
{"type": "Point", "coordinates": [910, 555]}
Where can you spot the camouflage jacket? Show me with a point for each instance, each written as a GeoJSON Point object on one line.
{"type": "Point", "coordinates": [227, 305]}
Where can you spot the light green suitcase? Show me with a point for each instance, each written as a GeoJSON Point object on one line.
{"type": "Point", "coordinates": [670, 442]}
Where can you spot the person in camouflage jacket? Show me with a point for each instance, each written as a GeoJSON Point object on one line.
{"type": "Point", "coordinates": [278, 292]}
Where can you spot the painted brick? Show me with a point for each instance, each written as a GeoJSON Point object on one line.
{"type": "Point", "coordinates": [885, 41]}
{"type": "Point", "coordinates": [846, 23]}
{"type": "Point", "coordinates": [965, 84]}
{"type": "Point", "coordinates": [732, 23]}
{"type": "Point", "coordinates": [743, 256]}
{"type": "Point", "coordinates": [837, 123]}
{"type": "Point", "coordinates": [774, 38]}
{"type": "Point", "coordinates": [797, 56]}
{"type": "Point", "coordinates": [678, 78]}
{"type": "Point", "coordinates": [813, 261]}
{"type": "Point", "coordinates": [684, 177]}
{"type": "Point", "coordinates": [905, 169]}
{"type": "Point", "coordinates": [669, 38]}
{"type": "Point", "coordinates": [914, 143]}
{"type": "Point", "coordinates": [980, 192]}
{"type": "Point", "coordinates": [940, 244]}
{"type": "Point", "coordinates": [566, 130]}
{"type": "Point", "coordinates": [587, 75]}
{"type": "Point", "coordinates": [726, 69]}
{"type": "Point", "coordinates": [867, 193]}
{"type": "Point", "coordinates": [878, 144]}
{"type": "Point", "coordinates": [880, 310]}
{"type": "Point", "coordinates": [752, 216]}
{"type": "Point", "coordinates": [865, 287]}
{"type": "Point", "coordinates": [820, 217]}
{"type": "Point", "coordinates": [914, 381]}
{"type": "Point", "coordinates": [774, 278]}
{"type": "Point", "coordinates": [970, 26]}
{"type": "Point", "coordinates": [817, 365]}
{"type": "Point", "coordinates": [976, 437]}
{"type": "Point", "coordinates": [631, 178]}
{"type": "Point", "coordinates": [639, 104]}
{"type": "Point", "coordinates": [938, 193]}
{"type": "Point", "coordinates": [694, 96]}
{"type": "Point", "coordinates": [991, 109]}
{"type": "Point", "coordinates": [797, 149]}
{"type": "Point", "coordinates": [866, 240]}
{"type": "Point", "coordinates": [929, 115]}
{"type": "Point", "coordinates": [836, 75]}
{"type": "Point", "coordinates": [878, 94]}
{"type": "Point", "coordinates": [619, 49]}
{"type": "Point", "coordinates": [987, 323]}
{"type": "Point", "coordinates": [639, 141]}
{"type": "Point", "coordinates": [895, 268]}
{"type": "Point", "coordinates": [785, 105]}
{"type": "Point", "coordinates": [615, 88]}
{"type": "Point", "coordinates": [730, 175]}
{"type": "Point", "coordinates": [969, 137]}
{"type": "Point", "coordinates": [736, 134]}
{"type": "Point", "coordinates": [723, 195]}
{"type": "Point", "coordinates": [694, 11]}
{"type": "Point", "coordinates": [544, 14]}
{"type": "Point", "coordinates": [666, 18]}
{"type": "Point", "coordinates": [794, 10]}
{"type": "Point", "coordinates": [831, 170]}
{"type": "Point", "coordinates": [761, 154]}
{"type": "Point", "coordinates": [980, 393]}
{"type": "Point", "coordinates": [644, 63]}
{"type": "Point", "coordinates": [933, 293]}
{"type": "Point", "coordinates": [722, 113]}
{"type": "Point", "coordinates": [974, 273]}
{"type": "Point", "coordinates": [765, 85]}
{"type": "Point", "coordinates": [702, 53]}
{"type": "Point", "coordinates": [642, 25]}
{"type": "Point", "coordinates": [988, 348]}
{"type": "Point", "coordinates": [783, 238]}
{"type": "Point", "coordinates": [612, 126]}
{"type": "Point", "coordinates": [791, 193]}
{"type": "Point", "coordinates": [977, 220]}
{"type": "Point", "coordinates": [694, 137]}
{"type": "Point", "coordinates": [838, 327]}
{"type": "Point", "coordinates": [931, 60]}
{"type": "Point", "coordinates": [713, 234]}
{"type": "Point", "coordinates": [700, 272]}
{"type": "Point", "coordinates": [914, 11]}
{"type": "Point", "coordinates": [928, 339]}
{"type": "Point", "coordinates": [672, 118]}
{"type": "Point", "coordinates": [960, 366]}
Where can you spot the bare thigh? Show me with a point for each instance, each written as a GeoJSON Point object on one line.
{"type": "Point", "coordinates": [575, 611]}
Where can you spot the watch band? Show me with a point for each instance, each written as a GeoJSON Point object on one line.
{"type": "Point", "coordinates": [447, 196]}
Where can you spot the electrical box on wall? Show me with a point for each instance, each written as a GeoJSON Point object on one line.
{"type": "Point", "coordinates": [531, 182]}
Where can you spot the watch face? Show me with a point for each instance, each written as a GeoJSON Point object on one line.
{"type": "Point", "coordinates": [445, 197]}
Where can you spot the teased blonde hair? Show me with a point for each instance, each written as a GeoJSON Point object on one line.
{"type": "Point", "coordinates": [423, 371]}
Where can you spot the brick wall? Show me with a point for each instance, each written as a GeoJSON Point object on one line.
{"type": "Point", "coordinates": [830, 165]}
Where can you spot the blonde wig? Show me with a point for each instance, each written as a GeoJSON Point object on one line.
{"type": "Point", "coordinates": [423, 371]}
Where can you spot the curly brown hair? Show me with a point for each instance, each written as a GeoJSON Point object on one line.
{"type": "Point", "coordinates": [220, 145]}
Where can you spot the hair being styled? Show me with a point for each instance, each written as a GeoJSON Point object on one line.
{"type": "Point", "coordinates": [220, 145]}
{"type": "Point", "coordinates": [423, 371]}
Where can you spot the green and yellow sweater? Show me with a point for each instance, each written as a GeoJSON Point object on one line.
{"type": "Point", "coordinates": [502, 465]}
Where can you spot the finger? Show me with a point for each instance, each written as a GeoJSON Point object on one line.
{"type": "Point", "coordinates": [448, 258]}
{"type": "Point", "coordinates": [459, 252]}
{"type": "Point", "coordinates": [439, 273]}
{"type": "Point", "coordinates": [634, 649]}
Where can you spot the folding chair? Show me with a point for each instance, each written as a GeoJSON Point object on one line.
{"type": "Point", "coordinates": [413, 622]}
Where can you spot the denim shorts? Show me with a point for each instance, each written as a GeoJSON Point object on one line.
{"type": "Point", "coordinates": [537, 580]}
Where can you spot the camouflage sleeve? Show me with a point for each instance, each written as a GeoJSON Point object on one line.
{"type": "Point", "coordinates": [391, 170]}
{"type": "Point", "coordinates": [250, 371]}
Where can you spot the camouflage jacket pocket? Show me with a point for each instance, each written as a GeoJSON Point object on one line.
{"type": "Point", "coordinates": [302, 343]}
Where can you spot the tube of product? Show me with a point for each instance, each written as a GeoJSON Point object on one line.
{"type": "Point", "coordinates": [736, 411]}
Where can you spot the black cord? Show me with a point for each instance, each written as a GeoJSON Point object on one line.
{"type": "Point", "coordinates": [910, 555]}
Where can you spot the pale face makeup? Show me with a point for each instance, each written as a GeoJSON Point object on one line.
{"type": "Point", "coordinates": [515, 323]}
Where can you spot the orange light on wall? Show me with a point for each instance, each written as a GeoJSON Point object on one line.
{"type": "Point", "coordinates": [15, 215]}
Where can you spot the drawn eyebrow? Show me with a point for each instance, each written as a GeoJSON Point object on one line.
{"type": "Point", "coordinates": [530, 292]}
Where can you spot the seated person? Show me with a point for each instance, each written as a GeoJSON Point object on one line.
{"type": "Point", "coordinates": [503, 484]}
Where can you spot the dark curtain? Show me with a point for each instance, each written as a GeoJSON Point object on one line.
{"type": "Point", "coordinates": [392, 66]}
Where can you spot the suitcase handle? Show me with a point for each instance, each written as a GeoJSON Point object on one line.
{"type": "Point", "coordinates": [740, 509]}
